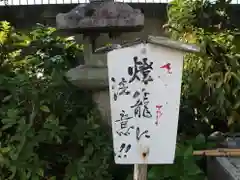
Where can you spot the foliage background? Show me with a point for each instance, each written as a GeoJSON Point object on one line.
{"type": "Point", "coordinates": [49, 128]}
{"type": "Point", "coordinates": [211, 78]}
{"type": "Point", "coordinates": [210, 88]}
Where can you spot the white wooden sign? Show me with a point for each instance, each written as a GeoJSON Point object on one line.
{"type": "Point", "coordinates": [145, 86]}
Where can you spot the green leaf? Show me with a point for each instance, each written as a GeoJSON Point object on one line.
{"type": "Point", "coordinates": [237, 105]}
{"type": "Point", "coordinates": [172, 171]}
{"type": "Point", "coordinates": [74, 178]}
{"type": "Point", "coordinates": [96, 126]}
{"type": "Point", "coordinates": [6, 126]}
{"type": "Point", "coordinates": [191, 168]}
{"type": "Point", "coordinates": [2, 159]}
{"type": "Point", "coordinates": [40, 172]}
{"type": "Point", "coordinates": [155, 172]}
{"type": "Point", "coordinates": [219, 84]}
{"type": "Point", "coordinates": [52, 178]}
{"type": "Point", "coordinates": [188, 152]}
{"type": "Point", "coordinates": [35, 178]}
{"type": "Point", "coordinates": [199, 141]}
{"type": "Point", "coordinates": [207, 66]}
{"type": "Point", "coordinates": [5, 150]}
{"type": "Point", "coordinates": [6, 98]}
{"type": "Point", "coordinates": [13, 170]}
{"type": "Point", "coordinates": [44, 108]}
{"type": "Point", "coordinates": [13, 114]}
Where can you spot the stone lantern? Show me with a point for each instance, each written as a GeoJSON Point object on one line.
{"type": "Point", "coordinates": [91, 20]}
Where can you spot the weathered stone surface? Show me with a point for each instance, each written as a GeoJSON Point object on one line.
{"type": "Point", "coordinates": [102, 100]}
{"type": "Point", "coordinates": [225, 168]}
{"type": "Point", "coordinates": [96, 80]}
{"type": "Point", "coordinates": [87, 77]}
{"type": "Point", "coordinates": [100, 15]}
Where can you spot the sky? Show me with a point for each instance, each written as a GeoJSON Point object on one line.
{"type": "Point", "coordinates": [32, 2]}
